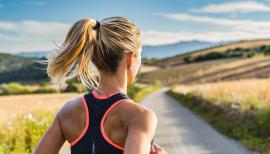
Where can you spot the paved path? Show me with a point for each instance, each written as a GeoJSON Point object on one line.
{"type": "Point", "coordinates": [180, 131]}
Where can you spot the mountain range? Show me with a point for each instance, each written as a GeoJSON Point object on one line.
{"type": "Point", "coordinates": [149, 51]}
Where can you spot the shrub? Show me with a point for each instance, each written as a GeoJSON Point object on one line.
{"type": "Point", "coordinates": [145, 91]}
{"type": "Point", "coordinates": [13, 88]}
{"type": "Point", "coordinates": [187, 59]}
{"type": "Point", "coordinates": [263, 121]}
{"type": "Point", "coordinates": [148, 61]}
{"type": "Point", "coordinates": [73, 86]}
{"type": "Point", "coordinates": [23, 133]}
{"type": "Point", "coordinates": [250, 54]}
{"type": "Point", "coordinates": [133, 89]}
{"type": "Point", "coordinates": [45, 88]}
{"type": "Point", "coordinates": [210, 56]}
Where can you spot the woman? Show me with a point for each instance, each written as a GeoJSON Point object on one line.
{"type": "Point", "coordinates": [104, 120]}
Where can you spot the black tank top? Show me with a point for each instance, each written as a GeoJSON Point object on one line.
{"type": "Point", "coordinates": [93, 139]}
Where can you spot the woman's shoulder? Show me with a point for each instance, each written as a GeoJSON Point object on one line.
{"type": "Point", "coordinates": [74, 105]}
{"type": "Point", "coordinates": [72, 117]}
{"type": "Point", "coordinates": [133, 110]}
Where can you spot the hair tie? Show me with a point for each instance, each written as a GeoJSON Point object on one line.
{"type": "Point", "coordinates": [96, 26]}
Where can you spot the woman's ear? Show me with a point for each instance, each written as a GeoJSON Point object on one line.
{"type": "Point", "coordinates": [130, 59]}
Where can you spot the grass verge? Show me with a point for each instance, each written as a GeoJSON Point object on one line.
{"type": "Point", "coordinates": [251, 128]}
{"type": "Point", "coordinates": [146, 90]}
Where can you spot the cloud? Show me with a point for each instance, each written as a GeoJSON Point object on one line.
{"type": "Point", "coordinates": [158, 37]}
{"type": "Point", "coordinates": [30, 35]}
{"type": "Point", "coordinates": [225, 30]}
{"type": "Point", "coordinates": [7, 25]}
{"type": "Point", "coordinates": [36, 3]}
{"type": "Point", "coordinates": [235, 24]}
{"type": "Point", "coordinates": [236, 6]}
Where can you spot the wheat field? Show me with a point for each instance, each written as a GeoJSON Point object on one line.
{"type": "Point", "coordinates": [12, 105]}
{"type": "Point", "coordinates": [247, 93]}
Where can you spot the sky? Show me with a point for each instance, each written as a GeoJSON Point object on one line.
{"type": "Point", "coordinates": [40, 25]}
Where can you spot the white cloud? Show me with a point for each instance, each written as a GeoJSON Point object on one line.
{"type": "Point", "coordinates": [7, 25]}
{"type": "Point", "coordinates": [236, 6]}
{"type": "Point", "coordinates": [235, 24]}
{"type": "Point", "coordinates": [31, 35]}
{"type": "Point", "coordinates": [37, 3]}
{"type": "Point", "coordinates": [227, 30]}
{"type": "Point", "coordinates": [42, 28]}
{"type": "Point", "coordinates": [158, 37]}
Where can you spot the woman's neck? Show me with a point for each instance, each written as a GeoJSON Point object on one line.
{"type": "Point", "coordinates": [109, 84]}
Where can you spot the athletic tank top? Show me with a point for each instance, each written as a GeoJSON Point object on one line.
{"type": "Point", "coordinates": [93, 139]}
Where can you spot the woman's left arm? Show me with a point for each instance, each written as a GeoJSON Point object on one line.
{"type": "Point", "coordinates": [52, 141]}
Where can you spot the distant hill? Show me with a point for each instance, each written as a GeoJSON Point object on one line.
{"type": "Point", "coordinates": [163, 51]}
{"type": "Point", "coordinates": [158, 51]}
{"type": "Point", "coordinates": [244, 48]}
{"type": "Point", "coordinates": [9, 62]}
{"type": "Point", "coordinates": [209, 71]}
{"type": "Point", "coordinates": [32, 54]}
{"type": "Point", "coordinates": [20, 69]}
{"type": "Point", "coordinates": [243, 44]}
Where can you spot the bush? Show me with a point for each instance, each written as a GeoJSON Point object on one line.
{"type": "Point", "coordinates": [238, 49]}
{"type": "Point", "coordinates": [187, 59]}
{"type": "Point", "coordinates": [133, 89]}
{"type": "Point", "coordinates": [263, 121]}
{"type": "Point", "coordinates": [23, 133]}
{"type": "Point", "coordinates": [73, 86]}
{"type": "Point", "coordinates": [250, 54]}
{"type": "Point", "coordinates": [265, 49]}
{"type": "Point", "coordinates": [45, 89]}
{"type": "Point", "coordinates": [13, 88]}
{"type": "Point", "coordinates": [148, 61]}
{"type": "Point", "coordinates": [145, 91]}
{"type": "Point", "coordinates": [210, 56]}
{"type": "Point", "coordinates": [17, 88]}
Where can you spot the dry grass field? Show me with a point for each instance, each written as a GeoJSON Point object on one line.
{"type": "Point", "coordinates": [12, 105]}
{"type": "Point", "coordinates": [247, 93]}
{"type": "Point", "coordinates": [171, 75]}
{"type": "Point", "coordinates": [146, 68]}
{"type": "Point", "coordinates": [211, 71]}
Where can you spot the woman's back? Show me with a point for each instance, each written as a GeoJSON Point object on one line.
{"type": "Point", "coordinates": [96, 123]}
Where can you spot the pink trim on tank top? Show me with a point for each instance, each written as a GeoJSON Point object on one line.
{"type": "Point", "coordinates": [86, 125]}
{"type": "Point", "coordinates": [101, 96]}
{"type": "Point", "coordinates": [102, 125]}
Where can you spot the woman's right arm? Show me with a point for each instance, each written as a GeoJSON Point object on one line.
{"type": "Point", "coordinates": [141, 130]}
{"type": "Point", "coordinates": [52, 140]}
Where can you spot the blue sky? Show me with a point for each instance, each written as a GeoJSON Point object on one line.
{"type": "Point", "coordinates": [33, 25]}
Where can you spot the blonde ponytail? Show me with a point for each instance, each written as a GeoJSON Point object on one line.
{"type": "Point", "coordinates": [76, 51]}
{"type": "Point", "coordinates": [104, 47]}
